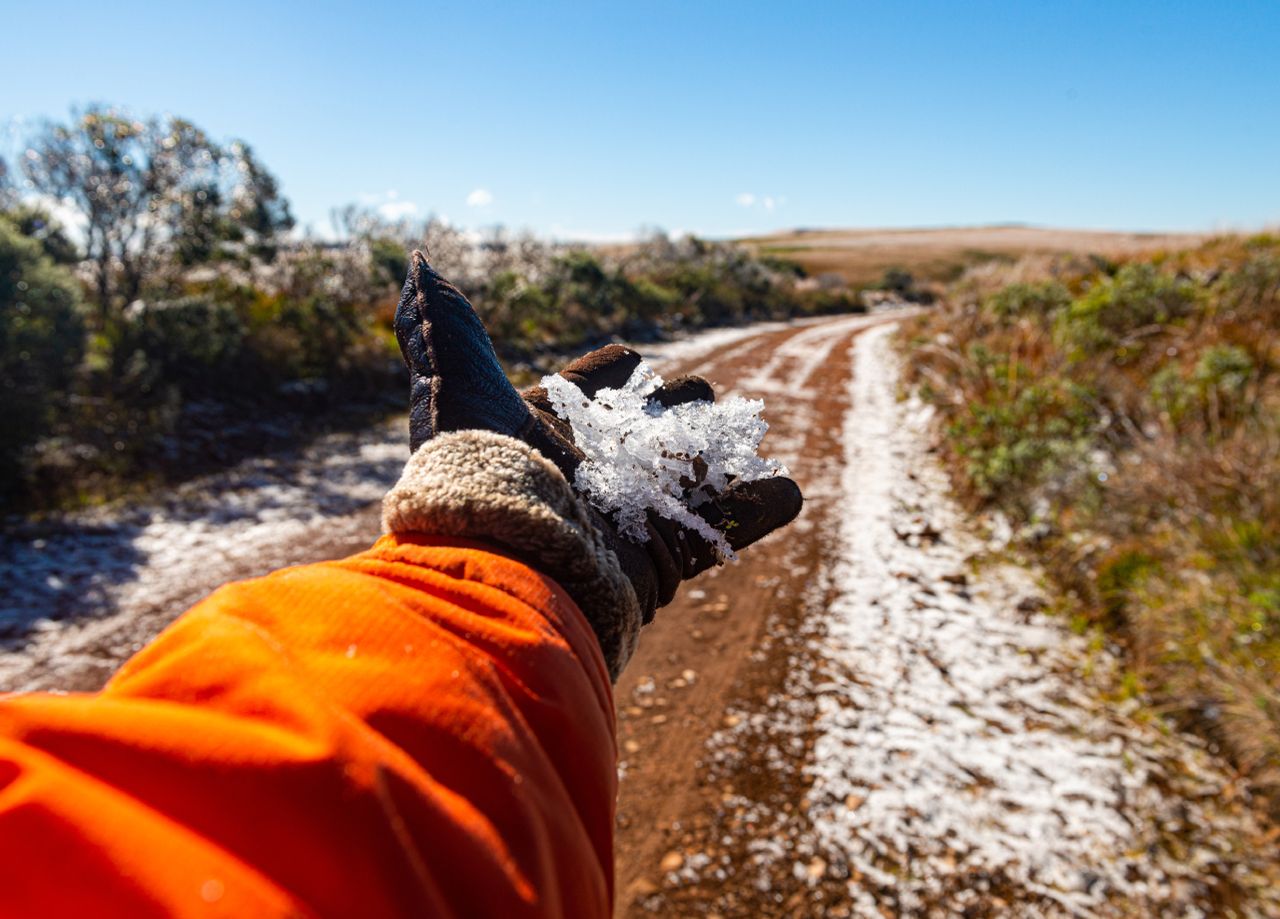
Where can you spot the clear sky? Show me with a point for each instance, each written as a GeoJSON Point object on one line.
{"type": "Point", "coordinates": [593, 120]}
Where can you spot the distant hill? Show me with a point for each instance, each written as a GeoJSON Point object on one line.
{"type": "Point", "coordinates": [861, 256]}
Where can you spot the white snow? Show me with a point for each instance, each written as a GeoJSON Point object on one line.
{"type": "Point", "coordinates": [953, 736]}
{"type": "Point", "coordinates": [78, 594]}
{"type": "Point", "coordinates": [641, 456]}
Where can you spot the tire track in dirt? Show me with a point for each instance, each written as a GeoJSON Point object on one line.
{"type": "Point", "coordinates": [726, 637]}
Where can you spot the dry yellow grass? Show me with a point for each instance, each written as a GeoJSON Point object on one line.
{"type": "Point", "coordinates": [861, 256]}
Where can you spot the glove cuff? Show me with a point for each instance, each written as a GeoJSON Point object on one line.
{"type": "Point", "coordinates": [499, 490]}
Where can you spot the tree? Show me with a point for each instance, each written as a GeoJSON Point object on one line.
{"type": "Point", "coordinates": [259, 212]}
{"type": "Point", "coordinates": [152, 193]}
{"type": "Point", "coordinates": [8, 197]}
{"type": "Point", "coordinates": [41, 342]}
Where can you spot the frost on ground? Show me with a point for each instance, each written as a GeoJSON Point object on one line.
{"type": "Point", "coordinates": [80, 593]}
{"type": "Point", "coordinates": [934, 746]}
{"type": "Point", "coordinates": [641, 456]}
{"type": "Point", "coordinates": [954, 742]}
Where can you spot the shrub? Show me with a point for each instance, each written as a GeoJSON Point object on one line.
{"type": "Point", "coordinates": [1035, 300]}
{"type": "Point", "coordinates": [1138, 298]}
{"type": "Point", "coordinates": [1224, 369]}
{"type": "Point", "coordinates": [388, 261]}
{"type": "Point", "coordinates": [1161, 374]}
{"type": "Point", "coordinates": [1014, 436]}
{"type": "Point", "coordinates": [41, 343]}
{"type": "Point", "coordinates": [194, 344]}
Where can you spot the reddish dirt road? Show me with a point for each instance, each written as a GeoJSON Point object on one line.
{"type": "Point", "coordinates": [728, 636]}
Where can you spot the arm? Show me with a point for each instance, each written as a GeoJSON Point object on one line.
{"type": "Point", "coordinates": [425, 728]}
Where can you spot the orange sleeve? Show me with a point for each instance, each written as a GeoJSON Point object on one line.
{"type": "Point", "coordinates": [423, 729]}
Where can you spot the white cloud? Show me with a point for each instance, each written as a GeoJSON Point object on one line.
{"type": "Point", "coordinates": [481, 197]}
{"type": "Point", "coordinates": [769, 203]}
{"type": "Point", "coordinates": [388, 204]}
{"type": "Point", "coordinates": [397, 210]}
{"type": "Point", "coordinates": [370, 198]}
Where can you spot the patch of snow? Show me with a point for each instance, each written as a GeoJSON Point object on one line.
{"type": "Point", "coordinates": [952, 740]}
{"type": "Point", "coordinates": [72, 588]}
{"type": "Point", "coordinates": [640, 456]}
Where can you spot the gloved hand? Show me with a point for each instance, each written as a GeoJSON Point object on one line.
{"type": "Point", "coordinates": [457, 384]}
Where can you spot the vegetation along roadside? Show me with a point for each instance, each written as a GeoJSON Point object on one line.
{"type": "Point", "coordinates": [1125, 417]}
{"type": "Point", "coordinates": [174, 322]}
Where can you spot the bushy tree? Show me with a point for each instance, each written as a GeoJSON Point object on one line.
{"type": "Point", "coordinates": [41, 342]}
{"type": "Point", "coordinates": [8, 198]}
{"type": "Point", "coordinates": [152, 192]}
{"type": "Point", "coordinates": [35, 222]}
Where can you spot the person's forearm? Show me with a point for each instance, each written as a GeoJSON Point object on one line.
{"type": "Point", "coordinates": [424, 728]}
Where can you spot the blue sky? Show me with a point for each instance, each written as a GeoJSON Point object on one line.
{"type": "Point", "coordinates": [593, 120]}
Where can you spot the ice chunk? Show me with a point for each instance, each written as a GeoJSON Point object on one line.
{"type": "Point", "coordinates": [642, 456]}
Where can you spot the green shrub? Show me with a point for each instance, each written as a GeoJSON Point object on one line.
{"type": "Point", "coordinates": [388, 261]}
{"type": "Point", "coordinates": [1137, 298]}
{"type": "Point", "coordinates": [1118, 576]}
{"type": "Point", "coordinates": [42, 341]}
{"type": "Point", "coordinates": [1225, 369]}
{"type": "Point", "coordinates": [1033, 300]}
{"type": "Point", "coordinates": [1172, 395]}
{"type": "Point", "coordinates": [1012, 443]}
{"type": "Point", "coordinates": [194, 344]}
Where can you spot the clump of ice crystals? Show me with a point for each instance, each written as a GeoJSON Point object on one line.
{"type": "Point", "coordinates": [642, 456]}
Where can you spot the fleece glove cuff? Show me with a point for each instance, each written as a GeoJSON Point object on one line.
{"type": "Point", "coordinates": [480, 485]}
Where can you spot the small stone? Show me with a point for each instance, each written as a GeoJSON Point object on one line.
{"type": "Point", "coordinates": [817, 868]}
{"type": "Point", "coordinates": [643, 888]}
{"type": "Point", "coordinates": [672, 861]}
{"type": "Point", "coordinates": [631, 746]}
{"type": "Point", "coordinates": [658, 719]}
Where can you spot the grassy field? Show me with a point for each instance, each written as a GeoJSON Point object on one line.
{"type": "Point", "coordinates": [861, 257]}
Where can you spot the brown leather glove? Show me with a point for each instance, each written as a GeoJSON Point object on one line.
{"type": "Point", "coordinates": [457, 384]}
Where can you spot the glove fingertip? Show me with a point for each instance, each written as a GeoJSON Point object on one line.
{"type": "Point", "coordinates": [684, 389]}
{"type": "Point", "coordinates": [753, 510]}
{"type": "Point", "coordinates": [608, 367]}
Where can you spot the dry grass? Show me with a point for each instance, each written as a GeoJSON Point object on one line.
{"type": "Point", "coordinates": [861, 256]}
{"type": "Point", "coordinates": [1127, 418]}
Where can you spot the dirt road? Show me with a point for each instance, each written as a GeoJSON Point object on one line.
{"type": "Point", "coordinates": [863, 718]}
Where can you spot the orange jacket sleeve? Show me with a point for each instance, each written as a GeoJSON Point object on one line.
{"type": "Point", "coordinates": [422, 729]}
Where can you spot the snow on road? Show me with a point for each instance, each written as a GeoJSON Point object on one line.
{"type": "Point", "coordinates": [79, 594]}
{"type": "Point", "coordinates": [955, 738]}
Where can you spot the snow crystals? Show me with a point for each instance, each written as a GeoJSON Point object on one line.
{"type": "Point", "coordinates": [640, 455]}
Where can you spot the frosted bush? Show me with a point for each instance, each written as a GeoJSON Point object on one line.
{"type": "Point", "coordinates": [643, 456]}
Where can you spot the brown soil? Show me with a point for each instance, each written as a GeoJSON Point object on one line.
{"type": "Point", "coordinates": [725, 642]}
